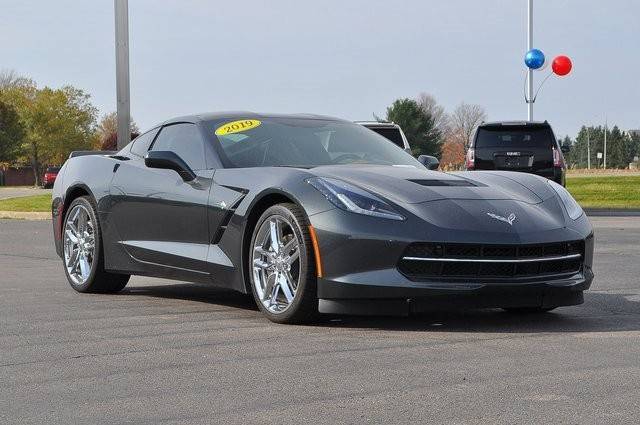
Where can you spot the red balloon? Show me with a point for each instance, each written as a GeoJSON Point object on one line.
{"type": "Point", "coordinates": [561, 65]}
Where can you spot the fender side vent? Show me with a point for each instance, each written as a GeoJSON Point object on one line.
{"type": "Point", "coordinates": [225, 221]}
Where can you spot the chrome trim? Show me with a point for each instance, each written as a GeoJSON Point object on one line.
{"type": "Point", "coordinates": [494, 260]}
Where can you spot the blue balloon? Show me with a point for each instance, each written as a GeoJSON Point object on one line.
{"type": "Point", "coordinates": [534, 59]}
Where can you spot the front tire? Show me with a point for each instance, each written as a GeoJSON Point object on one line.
{"type": "Point", "coordinates": [83, 256]}
{"type": "Point", "coordinates": [281, 267]}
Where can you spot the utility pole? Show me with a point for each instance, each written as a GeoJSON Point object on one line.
{"type": "Point", "coordinates": [530, 71]}
{"type": "Point", "coordinates": [588, 148]}
{"type": "Point", "coordinates": [605, 143]}
{"type": "Point", "coordinates": [121, 9]}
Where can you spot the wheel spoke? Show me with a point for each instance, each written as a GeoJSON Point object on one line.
{"type": "Point", "coordinates": [85, 267]}
{"type": "Point", "coordinates": [73, 218]}
{"type": "Point", "coordinates": [260, 250]}
{"type": "Point", "coordinates": [275, 230]}
{"type": "Point", "coordinates": [74, 256]}
{"type": "Point", "coordinates": [286, 289]}
{"type": "Point", "coordinates": [274, 293]}
{"type": "Point", "coordinates": [72, 227]}
{"type": "Point", "coordinates": [73, 237]}
{"type": "Point", "coordinates": [293, 257]}
{"type": "Point", "coordinates": [293, 283]}
{"type": "Point", "coordinates": [290, 246]}
{"type": "Point", "coordinates": [260, 264]}
{"type": "Point", "coordinates": [269, 286]}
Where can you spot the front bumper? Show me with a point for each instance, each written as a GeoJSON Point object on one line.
{"type": "Point", "coordinates": [413, 297]}
{"type": "Point", "coordinates": [361, 273]}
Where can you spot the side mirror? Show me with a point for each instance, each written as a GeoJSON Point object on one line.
{"type": "Point", "coordinates": [431, 162]}
{"type": "Point", "coordinates": [565, 148]}
{"type": "Point", "coordinates": [169, 161]}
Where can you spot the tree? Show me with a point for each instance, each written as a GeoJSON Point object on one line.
{"type": "Point", "coordinates": [56, 121]}
{"type": "Point", "coordinates": [432, 108]}
{"type": "Point", "coordinates": [620, 148]}
{"type": "Point", "coordinates": [11, 133]}
{"type": "Point", "coordinates": [463, 122]}
{"type": "Point", "coordinates": [9, 78]}
{"type": "Point", "coordinates": [453, 155]}
{"type": "Point", "coordinates": [418, 126]}
{"type": "Point", "coordinates": [110, 142]}
{"type": "Point", "coordinates": [617, 149]}
{"type": "Point", "coordinates": [634, 144]}
{"type": "Point", "coordinates": [108, 126]}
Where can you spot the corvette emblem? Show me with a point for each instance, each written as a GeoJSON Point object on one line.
{"type": "Point", "coordinates": [510, 219]}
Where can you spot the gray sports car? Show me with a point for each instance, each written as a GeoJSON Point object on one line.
{"type": "Point", "coordinates": [312, 215]}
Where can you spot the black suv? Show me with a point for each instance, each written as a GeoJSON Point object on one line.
{"type": "Point", "coordinates": [530, 147]}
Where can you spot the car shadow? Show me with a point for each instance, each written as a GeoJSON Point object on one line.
{"type": "Point", "coordinates": [601, 312]}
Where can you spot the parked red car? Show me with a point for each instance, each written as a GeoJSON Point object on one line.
{"type": "Point", "coordinates": [50, 177]}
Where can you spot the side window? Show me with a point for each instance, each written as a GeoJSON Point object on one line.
{"type": "Point", "coordinates": [185, 141]}
{"type": "Point", "coordinates": [141, 145]}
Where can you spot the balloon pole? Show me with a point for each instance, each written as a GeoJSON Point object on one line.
{"type": "Point", "coordinates": [530, 71]}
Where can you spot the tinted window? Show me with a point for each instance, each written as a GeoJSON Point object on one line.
{"type": "Point", "coordinates": [185, 141]}
{"type": "Point", "coordinates": [514, 137]}
{"type": "Point", "coordinates": [304, 142]}
{"type": "Point", "coordinates": [141, 143]}
{"type": "Point", "coordinates": [52, 169]}
{"type": "Point", "coordinates": [392, 134]}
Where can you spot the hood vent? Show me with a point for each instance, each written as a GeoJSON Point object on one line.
{"type": "Point", "coordinates": [454, 183]}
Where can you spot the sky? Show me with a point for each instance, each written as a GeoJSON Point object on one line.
{"type": "Point", "coordinates": [345, 58]}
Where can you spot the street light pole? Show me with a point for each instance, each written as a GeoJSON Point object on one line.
{"type": "Point", "coordinates": [530, 71]}
{"type": "Point", "coordinates": [121, 9]}
{"type": "Point", "coordinates": [605, 143]}
{"type": "Point", "coordinates": [588, 149]}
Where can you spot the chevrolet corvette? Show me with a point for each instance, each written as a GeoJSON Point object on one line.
{"type": "Point", "coordinates": [312, 214]}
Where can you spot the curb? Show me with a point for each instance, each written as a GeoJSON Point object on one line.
{"type": "Point", "coordinates": [20, 215]}
{"type": "Point", "coordinates": [612, 212]}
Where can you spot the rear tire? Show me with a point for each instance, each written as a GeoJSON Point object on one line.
{"type": "Point", "coordinates": [282, 274]}
{"type": "Point", "coordinates": [83, 254]}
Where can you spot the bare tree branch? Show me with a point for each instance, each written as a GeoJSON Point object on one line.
{"type": "Point", "coordinates": [463, 122]}
{"type": "Point", "coordinates": [431, 107]}
{"type": "Point", "coordinates": [9, 78]}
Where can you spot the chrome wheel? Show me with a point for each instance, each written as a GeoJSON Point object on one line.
{"type": "Point", "coordinates": [276, 263]}
{"type": "Point", "coordinates": [79, 244]}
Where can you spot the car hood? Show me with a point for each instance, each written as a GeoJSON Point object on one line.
{"type": "Point", "coordinates": [410, 185]}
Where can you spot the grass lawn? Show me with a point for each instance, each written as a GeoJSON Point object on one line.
{"type": "Point", "coordinates": [36, 203]}
{"type": "Point", "coordinates": [590, 192]}
{"type": "Point", "coordinates": [605, 191]}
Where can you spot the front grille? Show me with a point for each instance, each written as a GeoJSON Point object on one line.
{"type": "Point", "coordinates": [481, 261]}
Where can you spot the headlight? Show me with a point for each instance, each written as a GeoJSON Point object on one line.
{"type": "Point", "coordinates": [351, 198]}
{"type": "Point", "coordinates": [573, 209]}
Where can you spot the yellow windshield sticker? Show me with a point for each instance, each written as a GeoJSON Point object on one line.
{"type": "Point", "coordinates": [237, 127]}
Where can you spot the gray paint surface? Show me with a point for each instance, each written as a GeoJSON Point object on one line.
{"type": "Point", "coordinates": [164, 351]}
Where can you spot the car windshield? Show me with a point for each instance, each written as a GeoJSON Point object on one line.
{"type": "Point", "coordinates": [514, 137]}
{"type": "Point", "coordinates": [302, 142]}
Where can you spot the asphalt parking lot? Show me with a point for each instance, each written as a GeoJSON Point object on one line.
{"type": "Point", "coordinates": [162, 351]}
{"type": "Point", "coordinates": [7, 192]}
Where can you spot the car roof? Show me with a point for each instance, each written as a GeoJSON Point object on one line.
{"type": "Point", "coordinates": [238, 115]}
{"type": "Point", "coordinates": [514, 123]}
{"type": "Point", "coordinates": [381, 124]}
